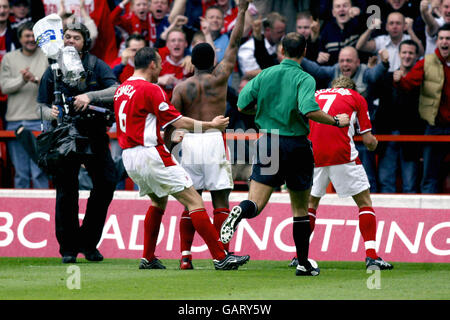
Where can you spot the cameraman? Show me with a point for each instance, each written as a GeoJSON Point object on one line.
{"type": "Point", "coordinates": [98, 87]}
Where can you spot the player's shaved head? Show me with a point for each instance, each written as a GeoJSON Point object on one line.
{"type": "Point", "coordinates": [203, 56]}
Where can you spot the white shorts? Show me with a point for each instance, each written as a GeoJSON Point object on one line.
{"type": "Point", "coordinates": [205, 158]}
{"type": "Point", "coordinates": [348, 179]}
{"type": "Point", "coordinates": [145, 167]}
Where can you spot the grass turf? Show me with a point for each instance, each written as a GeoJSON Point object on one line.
{"type": "Point", "coordinates": [46, 279]}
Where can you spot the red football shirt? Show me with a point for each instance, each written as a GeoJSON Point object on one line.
{"type": "Point", "coordinates": [142, 110]}
{"type": "Point", "coordinates": [333, 145]}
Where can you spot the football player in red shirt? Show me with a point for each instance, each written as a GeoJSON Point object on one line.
{"type": "Point", "coordinates": [338, 162]}
{"type": "Point", "coordinates": [142, 110]}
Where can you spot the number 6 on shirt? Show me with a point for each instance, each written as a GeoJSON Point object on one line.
{"type": "Point", "coordinates": [123, 116]}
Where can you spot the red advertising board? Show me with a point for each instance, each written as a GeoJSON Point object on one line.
{"type": "Point", "coordinates": [410, 228]}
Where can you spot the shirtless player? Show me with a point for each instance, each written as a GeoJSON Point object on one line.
{"type": "Point", "coordinates": [204, 155]}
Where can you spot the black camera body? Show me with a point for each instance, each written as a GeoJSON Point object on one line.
{"type": "Point", "coordinates": [92, 113]}
{"type": "Point", "coordinates": [68, 138]}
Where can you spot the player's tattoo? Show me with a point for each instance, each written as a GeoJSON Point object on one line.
{"type": "Point", "coordinates": [221, 71]}
{"type": "Point", "coordinates": [209, 88]}
{"type": "Point", "coordinates": [191, 91]}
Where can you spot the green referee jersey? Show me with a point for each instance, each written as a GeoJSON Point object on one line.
{"type": "Point", "coordinates": [284, 94]}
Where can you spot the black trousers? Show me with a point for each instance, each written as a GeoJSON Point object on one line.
{"type": "Point", "coordinates": [72, 237]}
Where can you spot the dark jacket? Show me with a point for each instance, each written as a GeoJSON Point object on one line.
{"type": "Point", "coordinates": [398, 111]}
{"type": "Point", "coordinates": [98, 76]}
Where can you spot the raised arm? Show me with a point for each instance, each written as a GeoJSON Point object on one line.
{"type": "Point", "coordinates": [364, 42]}
{"type": "Point", "coordinates": [178, 8]}
{"type": "Point", "coordinates": [225, 67]}
{"type": "Point", "coordinates": [431, 25]}
{"type": "Point", "coordinates": [318, 71]}
{"type": "Point", "coordinates": [412, 34]}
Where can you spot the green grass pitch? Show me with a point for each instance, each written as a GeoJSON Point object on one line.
{"type": "Point", "coordinates": [49, 279]}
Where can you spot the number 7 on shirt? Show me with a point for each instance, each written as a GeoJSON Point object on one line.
{"type": "Point", "coordinates": [330, 98]}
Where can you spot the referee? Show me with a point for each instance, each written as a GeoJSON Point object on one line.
{"type": "Point", "coordinates": [283, 97]}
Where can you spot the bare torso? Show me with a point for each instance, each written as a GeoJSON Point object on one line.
{"type": "Point", "coordinates": [202, 97]}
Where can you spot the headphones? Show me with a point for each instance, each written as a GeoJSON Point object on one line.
{"type": "Point", "coordinates": [81, 28]}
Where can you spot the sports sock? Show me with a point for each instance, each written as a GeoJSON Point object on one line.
{"type": "Point", "coordinates": [249, 209]}
{"type": "Point", "coordinates": [152, 223]}
{"type": "Point", "coordinates": [187, 232]}
{"type": "Point", "coordinates": [206, 230]}
{"type": "Point", "coordinates": [301, 232]}
{"type": "Point", "coordinates": [220, 215]}
{"type": "Point", "coordinates": [368, 228]}
{"type": "Point", "coordinates": [312, 218]}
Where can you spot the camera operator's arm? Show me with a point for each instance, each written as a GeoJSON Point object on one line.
{"type": "Point", "coordinates": [48, 112]}
{"type": "Point", "coordinates": [106, 84]}
{"type": "Point", "coordinates": [101, 96]}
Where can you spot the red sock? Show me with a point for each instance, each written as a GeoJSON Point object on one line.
{"type": "Point", "coordinates": [220, 215]}
{"type": "Point", "coordinates": [312, 218]}
{"type": "Point", "coordinates": [187, 232]}
{"type": "Point", "coordinates": [205, 229]}
{"type": "Point", "coordinates": [152, 223]}
{"type": "Point", "coordinates": [368, 229]}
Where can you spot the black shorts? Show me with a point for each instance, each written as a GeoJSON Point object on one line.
{"type": "Point", "coordinates": [290, 161]}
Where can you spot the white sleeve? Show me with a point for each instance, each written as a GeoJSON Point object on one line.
{"type": "Point", "coordinates": [379, 43]}
{"type": "Point", "coordinates": [246, 57]}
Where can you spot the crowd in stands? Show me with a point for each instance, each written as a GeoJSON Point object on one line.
{"type": "Point", "coordinates": [396, 51]}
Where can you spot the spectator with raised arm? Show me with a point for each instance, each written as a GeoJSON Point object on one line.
{"type": "Point", "coordinates": [349, 65]}
{"type": "Point", "coordinates": [70, 17]}
{"type": "Point", "coordinates": [125, 68]}
{"type": "Point", "coordinates": [310, 29]}
{"type": "Point", "coordinates": [342, 31]}
{"type": "Point", "coordinates": [215, 19]}
{"type": "Point", "coordinates": [395, 26]}
{"type": "Point", "coordinates": [434, 15]}
{"type": "Point", "coordinates": [172, 71]}
{"type": "Point", "coordinates": [274, 28]}
{"type": "Point", "coordinates": [147, 18]}
{"type": "Point", "coordinates": [397, 114]}
{"type": "Point", "coordinates": [432, 75]}
{"type": "Point", "coordinates": [98, 11]}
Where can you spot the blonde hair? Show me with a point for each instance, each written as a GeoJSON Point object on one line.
{"type": "Point", "coordinates": [343, 82]}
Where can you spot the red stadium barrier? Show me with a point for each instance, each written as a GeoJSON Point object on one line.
{"type": "Point", "coordinates": [6, 134]}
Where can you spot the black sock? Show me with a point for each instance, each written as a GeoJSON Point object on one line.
{"type": "Point", "coordinates": [301, 233]}
{"type": "Point", "coordinates": [249, 209]}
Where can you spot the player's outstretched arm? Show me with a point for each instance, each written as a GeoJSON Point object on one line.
{"type": "Point", "coordinates": [225, 67]}
{"type": "Point", "coordinates": [219, 123]}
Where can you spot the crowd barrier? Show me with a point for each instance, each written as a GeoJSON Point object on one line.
{"type": "Point", "coordinates": [6, 134]}
{"type": "Point", "coordinates": [410, 228]}
{"type": "Point", "coordinates": [236, 136]}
